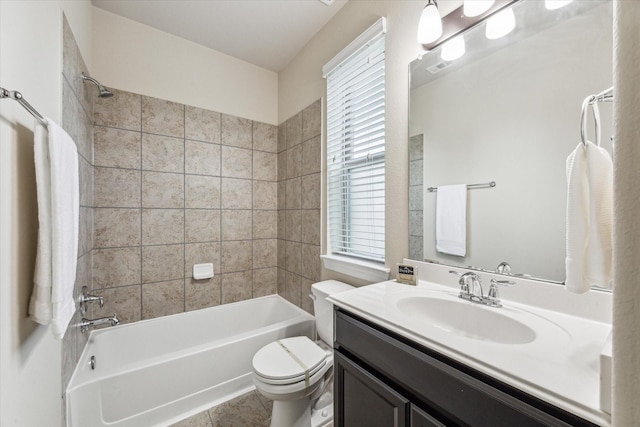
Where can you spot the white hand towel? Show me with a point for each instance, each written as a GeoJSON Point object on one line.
{"type": "Point", "coordinates": [57, 181]}
{"type": "Point", "coordinates": [589, 218]}
{"type": "Point", "coordinates": [451, 219]}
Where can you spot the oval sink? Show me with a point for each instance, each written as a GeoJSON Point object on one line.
{"type": "Point", "coordinates": [467, 319]}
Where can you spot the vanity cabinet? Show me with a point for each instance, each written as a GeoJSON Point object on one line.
{"type": "Point", "coordinates": [383, 379]}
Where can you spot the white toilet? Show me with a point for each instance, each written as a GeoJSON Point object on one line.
{"type": "Point", "coordinates": [293, 371]}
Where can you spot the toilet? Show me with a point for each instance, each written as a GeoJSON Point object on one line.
{"type": "Point", "coordinates": [297, 373]}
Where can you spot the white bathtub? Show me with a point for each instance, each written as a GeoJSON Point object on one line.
{"type": "Point", "coordinates": [156, 372]}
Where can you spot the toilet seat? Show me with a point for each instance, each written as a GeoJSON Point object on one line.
{"type": "Point", "coordinates": [289, 361]}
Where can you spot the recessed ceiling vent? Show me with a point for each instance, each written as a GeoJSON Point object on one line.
{"type": "Point", "coordinates": [434, 69]}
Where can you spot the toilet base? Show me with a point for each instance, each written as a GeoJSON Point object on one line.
{"type": "Point", "coordinates": [291, 413]}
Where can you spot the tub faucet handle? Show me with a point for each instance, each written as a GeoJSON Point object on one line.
{"type": "Point", "coordinates": [86, 298]}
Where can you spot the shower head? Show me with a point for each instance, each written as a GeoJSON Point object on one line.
{"type": "Point", "coordinates": [103, 91]}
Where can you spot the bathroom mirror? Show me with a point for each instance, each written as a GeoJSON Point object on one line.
{"type": "Point", "coordinates": [508, 111]}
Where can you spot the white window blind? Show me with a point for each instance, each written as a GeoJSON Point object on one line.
{"type": "Point", "coordinates": [355, 148]}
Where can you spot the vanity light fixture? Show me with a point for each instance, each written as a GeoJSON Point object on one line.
{"type": "Point", "coordinates": [430, 25]}
{"type": "Point", "coordinates": [476, 7]}
{"type": "Point", "coordinates": [453, 48]}
{"type": "Point", "coordinates": [556, 4]}
{"type": "Point", "coordinates": [501, 24]}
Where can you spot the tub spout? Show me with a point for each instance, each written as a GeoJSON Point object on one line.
{"type": "Point", "coordinates": [87, 324]}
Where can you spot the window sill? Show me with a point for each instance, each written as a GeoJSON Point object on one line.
{"type": "Point", "coordinates": [364, 270]}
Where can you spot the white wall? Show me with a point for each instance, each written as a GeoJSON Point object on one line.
{"type": "Point", "coordinates": [30, 62]}
{"type": "Point", "coordinates": [513, 117]}
{"type": "Point", "coordinates": [137, 58]}
{"type": "Point", "coordinates": [301, 82]}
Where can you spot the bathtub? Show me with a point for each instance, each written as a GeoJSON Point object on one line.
{"type": "Point", "coordinates": [159, 371]}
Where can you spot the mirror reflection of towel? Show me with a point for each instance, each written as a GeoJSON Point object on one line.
{"type": "Point", "coordinates": [451, 219]}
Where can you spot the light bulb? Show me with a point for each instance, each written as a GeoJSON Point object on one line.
{"type": "Point", "coordinates": [430, 26]}
{"type": "Point", "coordinates": [500, 24]}
{"type": "Point", "coordinates": [476, 7]}
{"type": "Point", "coordinates": [556, 4]}
{"type": "Point", "coordinates": [453, 49]}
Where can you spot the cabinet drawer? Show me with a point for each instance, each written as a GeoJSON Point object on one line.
{"type": "Point", "coordinates": [420, 418]}
{"type": "Point", "coordinates": [449, 393]}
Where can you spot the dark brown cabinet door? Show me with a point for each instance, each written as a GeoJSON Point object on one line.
{"type": "Point", "coordinates": [363, 400]}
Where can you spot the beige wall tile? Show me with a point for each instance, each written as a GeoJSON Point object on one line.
{"type": "Point", "coordinates": [236, 224]}
{"type": "Point", "coordinates": [121, 111]}
{"type": "Point", "coordinates": [162, 226]}
{"type": "Point", "coordinates": [310, 220]}
{"type": "Point", "coordinates": [202, 125]}
{"type": "Point", "coordinates": [306, 303]}
{"type": "Point", "coordinates": [282, 137]}
{"type": "Point", "coordinates": [162, 153]}
{"type": "Point", "coordinates": [310, 267]}
{"type": "Point", "coordinates": [312, 155]}
{"type": "Point", "coordinates": [265, 224]}
{"type": "Point", "coordinates": [311, 195]}
{"type": "Point", "coordinates": [116, 227]}
{"type": "Point", "coordinates": [162, 190]}
{"type": "Point", "coordinates": [265, 195]}
{"type": "Point", "coordinates": [123, 301]}
{"type": "Point", "coordinates": [292, 288]}
{"type": "Point", "coordinates": [237, 256]}
{"type": "Point", "coordinates": [237, 193]}
{"type": "Point", "coordinates": [294, 161]}
{"type": "Point", "coordinates": [237, 286]}
{"type": "Point", "coordinates": [85, 230]}
{"type": "Point", "coordinates": [282, 253]}
{"type": "Point", "coordinates": [312, 120]}
{"type": "Point", "coordinates": [265, 137]}
{"type": "Point", "coordinates": [265, 282]}
{"type": "Point", "coordinates": [293, 253]}
{"type": "Point", "coordinates": [265, 166]}
{"type": "Point", "coordinates": [116, 188]}
{"type": "Point", "coordinates": [162, 117]}
{"type": "Point", "coordinates": [202, 225]}
{"type": "Point", "coordinates": [282, 224]}
{"type": "Point", "coordinates": [202, 192]}
{"type": "Point", "coordinates": [162, 299]}
{"type": "Point", "coordinates": [86, 182]}
{"type": "Point", "coordinates": [293, 230]}
{"type": "Point", "coordinates": [265, 253]}
{"type": "Point", "coordinates": [293, 200]}
{"type": "Point", "coordinates": [237, 162]}
{"type": "Point", "coordinates": [237, 132]}
{"type": "Point", "coordinates": [282, 195]}
{"type": "Point", "coordinates": [200, 294]}
{"type": "Point", "coordinates": [117, 148]}
{"type": "Point", "coordinates": [282, 290]}
{"type": "Point", "coordinates": [282, 166]}
{"type": "Point", "coordinates": [116, 267]}
{"type": "Point", "coordinates": [163, 262]}
{"type": "Point", "coordinates": [294, 130]}
{"type": "Point", "coordinates": [202, 253]}
{"type": "Point", "coordinates": [202, 158]}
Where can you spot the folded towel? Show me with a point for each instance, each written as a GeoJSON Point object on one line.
{"type": "Point", "coordinates": [56, 160]}
{"type": "Point", "coordinates": [589, 228]}
{"type": "Point", "coordinates": [451, 220]}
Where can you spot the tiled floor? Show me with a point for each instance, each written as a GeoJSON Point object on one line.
{"type": "Point", "coordinates": [248, 410]}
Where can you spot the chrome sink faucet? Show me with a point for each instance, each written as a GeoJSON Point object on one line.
{"type": "Point", "coordinates": [471, 289]}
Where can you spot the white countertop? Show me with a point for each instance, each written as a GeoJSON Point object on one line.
{"type": "Point", "coordinates": [561, 366]}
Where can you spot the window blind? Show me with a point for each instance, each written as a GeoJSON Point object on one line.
{"type": "Point", "coordinates": [355, 150]}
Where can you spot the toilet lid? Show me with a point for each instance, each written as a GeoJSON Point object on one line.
{"type": "Point", "coordinates": [288, 359]}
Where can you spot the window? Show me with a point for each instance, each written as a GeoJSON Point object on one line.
{"type": "Point", "coordinates": [356, 147]}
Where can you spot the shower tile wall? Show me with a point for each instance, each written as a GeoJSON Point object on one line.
{"type": "Point", "coordinates": [77, 102]}
{"type": "Point", "coordinates": [177, 185]}
{"type": "Point", "coordinates": [416, 191]}
{"type": "Point", "coordinates": [299, 196]}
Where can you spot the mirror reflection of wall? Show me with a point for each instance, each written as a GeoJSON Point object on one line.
{"type": "Point", "coordinates": [510, 116]}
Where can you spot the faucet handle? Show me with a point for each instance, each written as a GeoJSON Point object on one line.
{"type": "Point", "coordinates": [493, 296]}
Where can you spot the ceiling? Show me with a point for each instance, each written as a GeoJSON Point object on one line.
{"type": "Point", "coordinates": [266, 33]}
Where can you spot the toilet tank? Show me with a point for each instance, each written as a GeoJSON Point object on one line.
{"type": "Point", "coordinates": [323, 309]}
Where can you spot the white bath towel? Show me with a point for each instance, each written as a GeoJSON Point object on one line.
{"type": "Point", "coordinates": [57, 180]}
{"type": "Point", "coordinates": [589, 228]}
{"type": "Point", "coordinates": [451, 219]}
